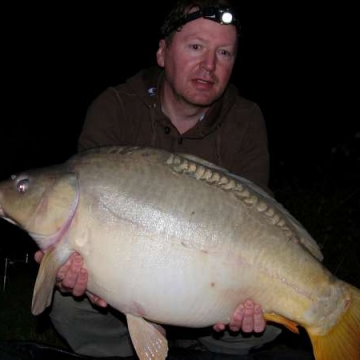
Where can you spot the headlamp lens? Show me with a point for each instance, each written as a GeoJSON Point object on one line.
{"type": "Point", "coordinates": [226, 17]}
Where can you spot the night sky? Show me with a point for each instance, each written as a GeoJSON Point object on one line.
{"type": "Point", "coordinates": [298, 63]}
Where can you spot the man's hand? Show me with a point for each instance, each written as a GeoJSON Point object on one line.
{"type": "Point", "coordinates": [72, 277]}
{"type": "Point", "coordinates": [247, 317]}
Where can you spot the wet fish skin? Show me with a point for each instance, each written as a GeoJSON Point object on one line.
{"type": "Point", "coordinates": [175, 222]}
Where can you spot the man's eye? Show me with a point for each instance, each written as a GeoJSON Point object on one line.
{"type": "Point", "coordinates": [22, 185]}
{"type": "Point", "coordinates": [225, 53]}
{"type": "Point", "coordinates": [195, 46]}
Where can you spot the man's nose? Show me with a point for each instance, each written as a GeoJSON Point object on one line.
{"type": "Point", "coordinates": [209, 61]}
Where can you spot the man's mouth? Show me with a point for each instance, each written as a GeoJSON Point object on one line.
{"type": "Point", "coordinates": [204, 81]}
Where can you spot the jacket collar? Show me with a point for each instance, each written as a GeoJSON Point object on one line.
{"type": "Point", "coordinates": [145, 85]}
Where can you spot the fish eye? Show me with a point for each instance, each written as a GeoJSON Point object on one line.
{"type": "Point", "coordinates": [22, 185]}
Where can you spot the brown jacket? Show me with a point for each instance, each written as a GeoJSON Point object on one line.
{"type": "Point", "coordinates": [231, 135]}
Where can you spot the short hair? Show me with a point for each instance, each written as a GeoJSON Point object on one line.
{"type": "Point", "coordinates": [183, 7]}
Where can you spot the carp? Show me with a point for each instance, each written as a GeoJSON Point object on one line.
{"type": "Point", "coordinates": [169, 238]}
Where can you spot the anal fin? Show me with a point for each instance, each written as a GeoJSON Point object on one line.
{"type": "Point", "coordinates": [292, 326]}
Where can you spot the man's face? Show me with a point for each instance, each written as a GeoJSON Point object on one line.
{"type": "Point", "coordinates": [199, 60]}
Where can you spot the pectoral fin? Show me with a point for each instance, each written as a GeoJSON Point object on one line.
{"type": "Point", "coordinates": [148, 341]}
{"type": "Point", "coordinates": [45, 282]}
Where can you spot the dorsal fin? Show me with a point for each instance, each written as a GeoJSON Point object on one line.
{"type": "Point", "coordinates": [249, 193]}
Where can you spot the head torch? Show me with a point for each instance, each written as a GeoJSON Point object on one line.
{"type": "Point", "coordinates": [221, 15]}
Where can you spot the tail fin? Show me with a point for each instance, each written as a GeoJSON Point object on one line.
{"type": "Point", "coordinates": [342, 342]}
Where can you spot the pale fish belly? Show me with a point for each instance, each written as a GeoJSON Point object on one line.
{"type": "Point", "coordinates": [166, 283]}
{"type": "Point", "coordinates": [154, 262]}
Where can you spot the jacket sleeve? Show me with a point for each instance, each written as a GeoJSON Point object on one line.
{"type": "Point", "coordinates": [252, 160]}
{"type": "Point", "coordinates": [102, 124]}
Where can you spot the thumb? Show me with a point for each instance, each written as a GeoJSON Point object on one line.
{"type": "Point", "coordinates": [38, 256]}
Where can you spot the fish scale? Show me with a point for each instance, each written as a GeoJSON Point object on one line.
{"type": "Point", "coordinates": [172, 239]}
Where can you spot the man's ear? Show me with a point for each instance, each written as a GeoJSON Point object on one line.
{"type": "Point", "coordinates": [160, 54]}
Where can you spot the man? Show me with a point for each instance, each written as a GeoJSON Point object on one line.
{"type": "Point", "coordinates": [186, 105]}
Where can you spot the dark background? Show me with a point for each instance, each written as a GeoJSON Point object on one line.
{"type": "Point", "coordinates": [299, 63]}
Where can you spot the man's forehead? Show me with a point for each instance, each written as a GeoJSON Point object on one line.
{"type": "Point", "coordinates": [208, 30]}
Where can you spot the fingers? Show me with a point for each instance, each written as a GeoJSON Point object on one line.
{"type": "Point", "coordinates": [219, 327]}
{"type": "Point", "coordinates": [38, 256]}
{"type": "Point", "coordinates": [237, 319]}
{"type": "Point", "coordinates": [80, 283]}
{"type": "Point", "coordinates": [96, 300]}
{"type": "Point", "coordinates": [248, 317]}
{"type": "Point", "coordinates": [71, 277]}
{"type": "Point", "coordinates": [259, 321]}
